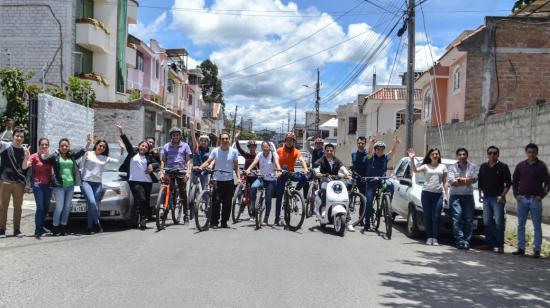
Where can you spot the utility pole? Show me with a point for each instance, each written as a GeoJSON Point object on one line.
{"type": "Point", "coordinates": [295, 107]}
{"type": "Point", "coordinates": [234, 123]}
{"type": "Point", "coordinates": [317, 104]}
{"type": "Point", "coordinates": [410, 75]}
{"type": "Point", "coordinates": [288, 122]}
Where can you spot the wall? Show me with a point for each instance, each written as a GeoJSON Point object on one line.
{"type": "Point", "coordinates": [455, 101]}
{"type": "Point", "coordinates": [131, 119]}
{"type": "Point", "coordinates": [55, 113]}
{"type": "Point", "coordinates": [33, 37]}
{"type": "Point", "coordinates": [509, 131]}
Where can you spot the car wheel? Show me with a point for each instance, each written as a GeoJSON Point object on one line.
{"type": "Point", "coordinates": [412, 223]}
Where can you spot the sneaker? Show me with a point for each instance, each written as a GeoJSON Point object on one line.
{"type": "Point", "coordinates": [224, 225]}
{"type": "Point", "coordinates": [46, 231]}
{"type": "Point", "coordinates": [277, 223]}
{"type": "Point", "coordinates": [466, 246]}
{"type": "Point", "coordinates": [37, 236]}
{"type": "Point", "coordinates": [265, 220]}
{"type": "Point", "coordinates": [500, 250]}
{"type": "Point", "coordinates": [429, 241]}
{"type": "Point", "coordinates": [55, 230]}
{"type": "Point", "coordinates": [18, 233]}
{"type": "Point", "coordinates": [537, 254]}
{"type": "Point", "coordinates": [519, 252]}
{"type": "Point", "coordinates": [2, 233]}
{"type": "Point", "coordinates": [98, 228]}
{"type": "Point", "coordinates": [63, 230]}
{"type": "Point", "coordinates": [435, 242]}
{"type": "Point", "coordinates": [89, 231]}
{"type": "Point", "coordinates": [351, 228]}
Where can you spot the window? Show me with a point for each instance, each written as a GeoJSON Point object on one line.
{"type": "Point", "coordinates": [325, 134]}
{"type": "Point", "coordinates": [456, 79]}
{"type": "Point", "coordinates": [139, 61]}
{"type": "Point", "coordinates": [400, 170]}
{"type": "Point", "coordinates": [335, 132]}
{"type": "Point", "coordinates": [157, 69]}
{"type": "Point", "coordinates": [428, 102]}
{"type": "Point", "coordinates": [170, 86]}
{"type": "Point", "coordinates": [85, 9]}
{"type": "Point", "coordinates": [84, 61]}
{"type": "Point", "coordinates": [190, 99]}
{"type": "Point", "coordinates": [401, 117]}
{"type": "Point", "coordinates": [352, 125]}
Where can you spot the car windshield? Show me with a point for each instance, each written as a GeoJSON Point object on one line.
{"type": "Point", "coordinates": [114, 152]}
{"type": "Point", "coordinates": [421, 177]}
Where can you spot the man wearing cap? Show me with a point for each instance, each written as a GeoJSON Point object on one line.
{"type": "Point", "coordinates": [377, 166]}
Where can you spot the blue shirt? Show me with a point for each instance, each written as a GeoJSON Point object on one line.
{"type": "Point", "coordinates": [316, 155]}
{"type": "Point", "coordinates": [377, 166]}
{"type": "Point", "coordinates": [359, 162]}
{"type": "Point", "coordinates": [201, 155]}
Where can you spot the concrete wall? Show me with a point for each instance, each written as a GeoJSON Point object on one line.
{"type": "Point", "coordinates": [131, 119]}
{"type": "Point", "coordinates": [509, 131]}
{"type": "Point", "coordinates": [59, 118]}
{"type": "Point", "coordinates": [31, 35]}
{"type": "Point", "coordinates": [456, 98]}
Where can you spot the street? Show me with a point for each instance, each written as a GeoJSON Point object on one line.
{"type": "Point", "coordinates": [241, 267]}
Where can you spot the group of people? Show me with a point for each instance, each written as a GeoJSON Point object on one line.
{"type": "Point", "coordinates": [59, 172]}
{"type": "Point", "coordinates": [454, 185]}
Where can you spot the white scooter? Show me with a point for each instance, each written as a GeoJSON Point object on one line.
{"type": "Point", "coordinates": [336, 208]}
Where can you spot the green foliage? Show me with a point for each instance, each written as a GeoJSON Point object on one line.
{"type": "Point", "coordinates": [248, 135]}
{"type": "Point", "coordinates": [13, 85]}
{"type": "Point", "coordinates": [212, 90]}
{"type": "Point", "coordinates": [135, 95]}
{"type": "Point", "coordinates": [56, 92]}
{"type": "Point", "coordinates": [82, 91]}
{"type": "Point", "coordinates": [511, 237]}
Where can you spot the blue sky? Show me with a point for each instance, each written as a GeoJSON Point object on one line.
{"type": "Point", "coordinates": [237, 34]}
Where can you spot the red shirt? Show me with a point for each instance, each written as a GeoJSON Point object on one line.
{"type": "Point", "coordinates": [288, 157]}
{"type": "Point", "coordinates": [42, 172]}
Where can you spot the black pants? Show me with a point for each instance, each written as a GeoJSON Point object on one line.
{"type": "Point", "coordinates": [222, 196]}
{"type": "Point", "coordinates": [180, 182]}
{"type": "Point", "coordinates": [142, 197]}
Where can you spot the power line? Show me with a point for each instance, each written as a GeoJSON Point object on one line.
{"type": "Point", "coordinates": [293, 45]}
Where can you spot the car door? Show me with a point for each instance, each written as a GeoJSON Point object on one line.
{"type": "Point", "coordinates": [400, 199]}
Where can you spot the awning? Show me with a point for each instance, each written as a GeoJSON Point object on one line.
{"type": "Point", "coordinates": [332, 123]}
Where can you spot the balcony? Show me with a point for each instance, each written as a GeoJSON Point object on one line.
{"type": "Point", "coordinates": [101, 91]}
{"type": "Point", "coordinates": [130, 57]}
{"type": "Point", "coordinates": [92, 37]}
{"type": "Point", "coordinates": [132, 11]}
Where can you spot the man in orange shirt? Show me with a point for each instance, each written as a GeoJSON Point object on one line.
{"type": "Point", "coordinates": [288, 154]}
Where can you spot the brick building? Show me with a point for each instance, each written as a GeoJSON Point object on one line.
{"type": "Point", "coordinates": [501, 66]}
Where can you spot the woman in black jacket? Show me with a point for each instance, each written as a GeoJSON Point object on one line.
{"type": "Point", "coordinates": [140, 166]}
{"type": "Point", "coordinates": [66, 176]}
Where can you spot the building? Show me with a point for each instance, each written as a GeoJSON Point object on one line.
{"type": "Point", "coordinates": [247, 124]}
{"type": "Point", "coordinates": [332, 127]}
{"type": "Point", "coordinates": [501, 66]}
{"type": "Point", "coordinates": [310, 122]}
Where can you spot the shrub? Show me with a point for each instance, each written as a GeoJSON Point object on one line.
{"type": "Point", "coordinates": [81, 91]}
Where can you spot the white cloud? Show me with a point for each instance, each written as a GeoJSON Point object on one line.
{"type": "Point", "coordinates": [146, 32]}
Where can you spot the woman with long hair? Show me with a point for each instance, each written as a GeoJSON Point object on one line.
{"type": "Point", "coordinates": [93, 165]}
{"type": "Point", "coordinates": [434, 191]}
{"type": "Point", "coordinates": [65, 177]}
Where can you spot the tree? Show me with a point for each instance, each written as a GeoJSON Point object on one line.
{"type": "Point", "coordinates": [13, 84]}
{"type": "Point", "coordinates": [212, 91]}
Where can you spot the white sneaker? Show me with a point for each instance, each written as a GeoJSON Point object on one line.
{"type": "Point", "coordinates": [351, 228]}
{"type": "Point", "coordinates": [429, 241]}
{"type": "Point", "coordinates": [434, 242]}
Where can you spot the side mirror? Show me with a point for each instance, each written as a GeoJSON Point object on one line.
{"type": "Point", "coordinates": [405, 182]}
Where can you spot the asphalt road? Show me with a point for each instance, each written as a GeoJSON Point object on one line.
{"type": "Point", "coordinates": [241, 267]}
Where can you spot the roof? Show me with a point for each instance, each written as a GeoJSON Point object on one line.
{"type": "Point", "coordinates": [534, 8]}
{"type": "Point", "coordinates": [176, 52]}
{"type": "Point", "coordinates": [332, 123]}
{"type": "Point", "coordinates": [393, 93]}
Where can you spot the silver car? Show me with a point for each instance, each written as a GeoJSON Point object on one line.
{"type": "Point", "coordinates": [406, 200]}
{"type": "Point", "coordinates": [117, 202]}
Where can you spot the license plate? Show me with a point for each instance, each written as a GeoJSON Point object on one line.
{"type": "Point", "coordinates": [78, 207]}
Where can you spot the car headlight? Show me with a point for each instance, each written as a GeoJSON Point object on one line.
{"type": "Point", "coordinates": [337, 188]}
{"type": "Point", "coordinates": [114, 192]}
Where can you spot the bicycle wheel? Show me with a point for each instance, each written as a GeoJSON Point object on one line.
{"type": "Point", "coordinates": [203, 210]}
{"type": "Point", "coordinates": [388, 219]}
{"type": "Point", "coordinates": [295, 211]}
{"type": "Point", "coordinates": [237, 206]}
{"type": "Point", "coordinates": [191, 201]}
{"type": "Point", "coordinates": [160, 211]}
{"type": "Point", "coordinates": [177, 208]}
{"type": "Point", "coordinates": [356, 207]}
{"type": "Point", "coordinates": [378, 215]}
{"type": "Point", "coordinates": [259, 208]}
{"type": "Point", "coordinates": [311, 199]}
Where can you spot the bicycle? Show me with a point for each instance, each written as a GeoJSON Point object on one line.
{"type": "Point", "coordinates": [310, 198]}
{"type": "Point", "coordinates": [168, 199]}
{"type": "Point", "coordinates": [357, 200]}
{"type": "Point", "coordinates": [241, 199]}
{"type": "Point", "coordinates": [194, 191]}
{"type": "Point", "coordinates": [203, 209]}
{"type": "Point", "coordinates": [383, 206]}
{"type": "Point", "coordinates": [259, 203]}
{"type": "Point", "coordinates": [293, 203]}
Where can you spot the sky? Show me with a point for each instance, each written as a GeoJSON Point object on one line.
{"type": "Point", "coordinates": [268, 51]}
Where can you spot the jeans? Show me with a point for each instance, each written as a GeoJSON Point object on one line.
{"type": "Point", "coordinates": [63, 198]}
{"type": "Point", "coordinates": [92, 193]}
{"type": "Point", "coordinates": [370, 191]}
{"type": "Point", "coordinates": [463, 207]}
{"type": "Point", "coordinates": [42, 195]}
{"type": "Point", "coordinates": [281, 181]}
{"type": "Point", "coordinates": [269, 187]}
{"type": "Point", "coordinates": [493, 220]}
{"type": "Point", "coordinates": [432, 203]}
{"type": "Point", "coordinates": [525, 205]}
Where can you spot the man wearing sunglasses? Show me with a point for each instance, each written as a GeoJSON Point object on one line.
{"type": "Point", "coordinates": [494, 182]}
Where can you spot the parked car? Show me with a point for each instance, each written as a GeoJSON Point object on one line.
{"type": "Point", "coordinates": [406, 200]}
{"type": "Point", "coordinates": [117, 203]}
{"type": "Point", "coordinates": [244, 146]}
{"type": "Point", "coordinates": [306, 156]}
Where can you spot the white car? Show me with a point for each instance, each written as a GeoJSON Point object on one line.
{"type": "Point", "coordinates": [244, 146]}
{"type": "Point", "coordinates": [406, 200]}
